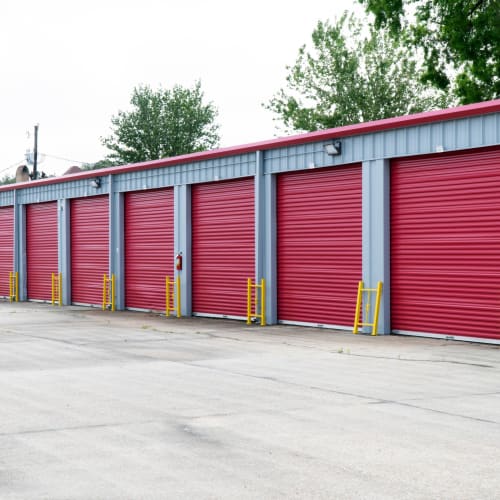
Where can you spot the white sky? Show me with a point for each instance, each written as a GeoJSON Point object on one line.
{"type": "Point", "coordinates": [71, 65]}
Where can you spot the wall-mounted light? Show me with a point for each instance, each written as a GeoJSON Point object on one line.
{"type": "Point", "coordinates": [333, 148]}
{"type": "Point", "coordinates": [96, 182]}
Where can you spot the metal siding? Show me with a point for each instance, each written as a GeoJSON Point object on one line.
{"type": "Point", "coordinates": [405, 136]}
{"type": "Point", "coordinates": [149, 247]}
{"type": "Point", "coordinates": [319, 245]}
{"type": "Point", "coordinates": [61, 190]}
{"type": "Point", "coordinates": [89, 248]}
{"type": "Point", "coordinates": [41, 248]}
{"type": "Point", "coordinates": [445, 244]}
{"type": "Point", "coordinates": [223, 168]}
{"type": "Point", "coordinates": [6, 248]}
{"type": "Point", "coordinates": [223, 246]}
{"type": "Point", "coordinates": [6, 198]}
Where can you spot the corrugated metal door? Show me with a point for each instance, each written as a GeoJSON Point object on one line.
{"type": "Point", "coordinates": [319, 245]}
{"type": "Point", "coordinates": [41, 249]}
{"type": "Point", "coordinates": [89, 248]}
{"type": "Point", "coordinates": [445, 244]}
{"type": "Point", "coordinates": [223, 246]}
{"type": "Point", "coordinates": [6, 248]}
{"type": "Point", "coordinates": [149, 247]}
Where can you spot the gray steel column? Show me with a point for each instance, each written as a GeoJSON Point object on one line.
{"type": "Point", "coordinates": [117, 243]}
{"type": "Point", "coordinates": [265, 235]}
{"type": "Point", "coordinates": [20, 246]}
{"type": "Point", "coordinates": [64, 248]}
{"type": "Point", "coordinates": [182, 243]}
{"type": "Point", "coordinates": [260, 217]}
{"type": "Point", "coordinates": [376, 234]}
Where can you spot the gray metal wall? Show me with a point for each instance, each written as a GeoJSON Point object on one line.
{"type": "Point", "coordinates": [373, 150]}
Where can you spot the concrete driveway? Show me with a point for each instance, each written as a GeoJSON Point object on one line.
{"type": "Point", "coordinates": [100, 405]}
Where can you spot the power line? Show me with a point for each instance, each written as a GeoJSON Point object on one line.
{"type": "Point", "coordinates": [17, 163]}
{"type": "Point", "coordinates": [64, 159]}
{"type": "Point", "coordinates": [12, 166]}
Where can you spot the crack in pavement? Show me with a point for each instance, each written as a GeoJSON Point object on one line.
{"type": "Point", "coordinates": [369, 399]}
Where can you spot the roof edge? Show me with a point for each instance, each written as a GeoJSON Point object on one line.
{"type": "Point", "coordinates": [468, 110]}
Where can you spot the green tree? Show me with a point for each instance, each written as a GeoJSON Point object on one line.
{"type": "Point", "coordinates": [460, 41]}
{"type": "Point", "coordinates": [7, 179]}
{"type": "Point", "coordinates": [162, 123]}
{"type": "Point", "coordinates": [98, 165]}
{"type": "Point", "coordinates": [351, 75]}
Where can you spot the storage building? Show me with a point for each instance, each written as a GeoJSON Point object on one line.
{"type": "Point", "coordinates": [413, 202]}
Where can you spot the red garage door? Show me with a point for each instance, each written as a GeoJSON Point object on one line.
{"type": "Point", "coordinates": [149, 247]}
{"type": "Point", "coordinates": [6, 248]}
{"type": "Point", "coordinates": [41, 247]}
{"type": "Point", "coordinates": [89, 248]}
{"type": "Point", "coordinates": [223, 246]}
{"type": "Point", "coordinates": [319, 245]}
{"type": "Point", "coordinates": [445, 244]}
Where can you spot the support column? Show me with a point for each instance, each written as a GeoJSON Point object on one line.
{"type": "Point", "coordinates": [20, 246]}
{"type": "Point", "coordinates": [117, 243]}
{"type": "Point", "coordinates": [265, 235]}
{"type": "Point", "coordinates": [64, 248]}
{"type": "Point", "coordinates": [182, 243]}
{"type": "Point", "coordinates": [376, 234]}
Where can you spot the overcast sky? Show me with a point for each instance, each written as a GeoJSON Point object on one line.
{"type": "Point", "coordinates": [70, 66]}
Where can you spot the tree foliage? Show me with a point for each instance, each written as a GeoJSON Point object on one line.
{"type": "Point", "coordinates": [162, 123]}
{"type": "Point", "coordinates": [461, 37]}
{"type": "Point", "coordinates": [351, 75]}
{"type": "Point", "coordinates": [7, 179]}
{"type": "Point", "coordinates": [98, 165]}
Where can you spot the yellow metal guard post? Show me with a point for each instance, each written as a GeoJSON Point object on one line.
{"type": "Point", "coordinates": [13, 287]}
{"type": "Point", "coordinates": [262, 295]}
{"type": "Point", "coordinates": [249, 301]}
{"type": "Point", "coordinates": [173, 296]}
{"type": "Point", "coordinates": [369, 291]}
{"type": "Point", "coordinates": [57, 288]}
{"type": "Point", "coordinates": [178, 295]}
{"type": "Point", "coordinates": [108, 292]}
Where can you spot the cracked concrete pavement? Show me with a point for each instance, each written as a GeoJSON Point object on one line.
{"type": "Point", "coordinates": [100, 405]}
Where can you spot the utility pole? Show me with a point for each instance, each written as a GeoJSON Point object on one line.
{"type": "Point", "coordinates": [35, 154]}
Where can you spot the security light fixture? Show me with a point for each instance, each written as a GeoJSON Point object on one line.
{"type": "Point", "coordinates": [96, 182]}
{"type": "Point", "coordinates": [333, 148]}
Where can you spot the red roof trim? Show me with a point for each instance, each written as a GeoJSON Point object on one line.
{"type": "Point", "coordinates": [468, 110]}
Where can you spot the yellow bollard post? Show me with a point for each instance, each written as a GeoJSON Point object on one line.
{"type": "Point", "coordinates": [249, 301]}
{"type": "Point", "coordinates": [358, 307]}
{"type": "Point", "coordinates": [60, 289]}
{"type": "Point", "coordinates": [13, 286]}
{"type": "Point", "coordinates": [377, 308]}
{"type": "Point", "coordinates": [57, 289]}
{"type": "Point", "coordinates": [263, 302]}
{"type": "Point", "coordinates": [103, 292]}
{"type": "Point", "coordinates": [53, 276]}
{"type": "Point", "coordinates": [112, 293]}
{"type": "Point", "coordinates": [178, 295]}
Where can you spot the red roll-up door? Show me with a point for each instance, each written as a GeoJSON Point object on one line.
{"type": "Point", "coordinates": [6, 248]}
{"type": "Point", "coordinates": [41, 249]}
{"type": "Point", "coordinates": [445, 244]}
{"type": "Point", "coordinates": [319, 246]}
{"type": "Point", "coordinates": [89, 248]}
{"type": "Point", "coordinates": [223, 240]}
{"type": "Point", "coordinates": [149, 247]}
